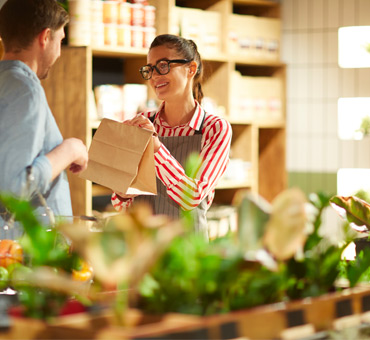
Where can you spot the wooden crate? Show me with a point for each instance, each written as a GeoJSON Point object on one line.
{"type": "Point", "coordinates": [291, 320]}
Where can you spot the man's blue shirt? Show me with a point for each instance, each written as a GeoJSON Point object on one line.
{"type": "Point", "coordinates": [28, 131]}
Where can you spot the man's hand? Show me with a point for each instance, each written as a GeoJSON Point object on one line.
{"type": "Point", "coordinates": [81, 155]}
{"type": "Point", "coordinates": [70, 153]}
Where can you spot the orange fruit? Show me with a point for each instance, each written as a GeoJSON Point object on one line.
{"type": "Point", "coordinates": [84, 274]}
{"type": "Point", "coordinates": [10, 252]}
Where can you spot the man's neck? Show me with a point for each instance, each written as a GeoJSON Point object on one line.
{"type": "Point", "coordinates": [22, 56]}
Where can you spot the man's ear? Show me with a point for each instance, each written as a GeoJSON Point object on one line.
{"type": "Point", "coordinates": [44, 37]}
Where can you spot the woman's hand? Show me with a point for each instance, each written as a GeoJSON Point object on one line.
{"type": "Point", "coordinates": [144, 123]}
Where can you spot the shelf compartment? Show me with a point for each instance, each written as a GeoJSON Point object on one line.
{"type": "Point", "coordinates": [265, 8]}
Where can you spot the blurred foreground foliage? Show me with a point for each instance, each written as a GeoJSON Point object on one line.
{"type": "Point", "coordinates": [279, 253]}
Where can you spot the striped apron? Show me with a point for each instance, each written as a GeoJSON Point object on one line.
{"type": "Point", "coordinates": [180, 147]}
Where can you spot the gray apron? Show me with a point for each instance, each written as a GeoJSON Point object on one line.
{"type": "Point", "coordinates": [180, 147]}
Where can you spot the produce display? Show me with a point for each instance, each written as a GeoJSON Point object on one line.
{"type": "Point", "coordinates": [160, 266]}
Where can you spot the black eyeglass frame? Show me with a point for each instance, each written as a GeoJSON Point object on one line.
{"type": "Point", "coordinates": [177, 61]}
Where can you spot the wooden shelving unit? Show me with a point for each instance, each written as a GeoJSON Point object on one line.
{"type": "Point", "coordinates": [260, 142]}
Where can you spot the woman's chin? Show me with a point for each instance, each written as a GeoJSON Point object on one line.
{"type": "Point", "coordinates": [161, 95]}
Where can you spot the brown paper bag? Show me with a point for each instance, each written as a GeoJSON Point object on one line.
{"type": "Point", "coordinates": [121, 157]}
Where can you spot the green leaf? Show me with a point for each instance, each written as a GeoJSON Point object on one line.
{"type": "Point", "coordinates": [352, 208]}
{"type": "Point", "coordinates": [148, 286]}
{"type": "Point", "coordinates": [253, 214]}
{"type": "Point", "coordinates": [357, 268]}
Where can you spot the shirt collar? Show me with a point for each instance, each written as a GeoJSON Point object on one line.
{"type": "Point", "coordinates": [195, 122]}
{"type": "Point", "coordinates": [20, 65]}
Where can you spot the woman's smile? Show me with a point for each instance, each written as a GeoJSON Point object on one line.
{"type": "Point", "coordinates": [159, 85]}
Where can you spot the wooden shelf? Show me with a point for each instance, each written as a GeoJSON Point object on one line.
{"type": "Point", "coordinates": [131, 52]}
{"type": "Point", "coordinates": [127, 52]}
{"type": "Point", "coordinates": [229, 184]}
{"type": "Point", "coordinates": [248, 61]}
{"type": "Point", "coordinates": [261, 3]}
{"type": "Point", "coordinates": [261, 124]}
{"type": "Point", "coordinates": [260, 142]}
{"type": "Point", "coordinates": [271, 124]}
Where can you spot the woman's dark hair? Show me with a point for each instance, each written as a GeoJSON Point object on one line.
{"type": "Point", "coordinates": [187, 49]}
{"type": "Point", "coordinates": [22, 20]}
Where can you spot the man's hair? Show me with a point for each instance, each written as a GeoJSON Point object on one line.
{"type": "Point", "coordinates": [22, 20]}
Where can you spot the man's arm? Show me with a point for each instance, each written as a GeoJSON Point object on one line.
{"type": "Point", "coordinates": [70, 153]}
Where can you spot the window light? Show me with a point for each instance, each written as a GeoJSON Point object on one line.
{"type": "Point", "coordinates": [351, 180]}
{"type": "Point", "coordinates": [354, 46]}
{"type": "Point", "coordinates": [353, 115]}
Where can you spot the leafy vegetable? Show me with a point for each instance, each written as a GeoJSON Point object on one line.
{"type": "Point", "coordinates": [42, 247]}
{"type": "Point", "coordinates": [285, 230]}
{"type": "Point", "coordinates": [197, 277]}
{"type": "Point", "coordinates": [352, 208]}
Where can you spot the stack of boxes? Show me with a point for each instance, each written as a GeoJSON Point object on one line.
{"type": "Point", "coordinates": [115, 23]}
{"type": "Point", "coordinates": [203, 27]}
{"type": "Point", "coordinates": [257, 38]}
{"type": "Point", "coordinates": [255, 98]}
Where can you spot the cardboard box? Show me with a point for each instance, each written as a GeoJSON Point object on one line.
{"type": "Point", "coordinates": [255, 98]}
{"type": "Point", "coordinates": [242, 33]}
{"type": "Point", "coordinates": [270, 36]}
{"type": "Point", "coordinates": [254, 37]}
{"type": "Point", "coordinates": [203, 27]}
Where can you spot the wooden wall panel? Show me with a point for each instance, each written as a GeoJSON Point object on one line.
{"type": "Point", "coordinates": [272, 170]}
{"type": "Point", "coordinates": [67, 88]}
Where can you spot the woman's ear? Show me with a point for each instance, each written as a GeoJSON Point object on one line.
{"type": "Point", "coordinates": [193, 67]}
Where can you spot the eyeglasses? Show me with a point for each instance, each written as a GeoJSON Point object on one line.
{"type": "Point", "coordinates": [162, 67]}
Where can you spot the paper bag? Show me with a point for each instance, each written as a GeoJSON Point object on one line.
{"type": "Point", "coordinates": [121, 157]}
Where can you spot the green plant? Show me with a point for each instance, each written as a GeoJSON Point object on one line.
{"type": "Point", "coordinates": [120, 253]}
{"type": "Point", "coordinates": [365, 125]}
{"type": "Point", "coordinates": [367, 47]}
{"type": "Point", "coordinates": [356, 212]}
{"type": "Point", "coordinates": [289, 258]}
{"type": "Point", "coordinates": [41, 290]}
{"type": "Point", "coordinates": [316, 270]}
{"type": "Point", "coordinates": [197, 277]}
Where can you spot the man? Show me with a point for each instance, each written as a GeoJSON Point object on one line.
{"type": "Point", "coordinates": [33, 154]}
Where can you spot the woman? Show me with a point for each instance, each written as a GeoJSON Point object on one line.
{"type": "Point", "coordinates": [175, 71]}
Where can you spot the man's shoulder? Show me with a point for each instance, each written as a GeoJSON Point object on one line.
{"type": "Point", "coordinates": [16, 83]}
{"type": "Point", "coordinates": [17, 71]}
